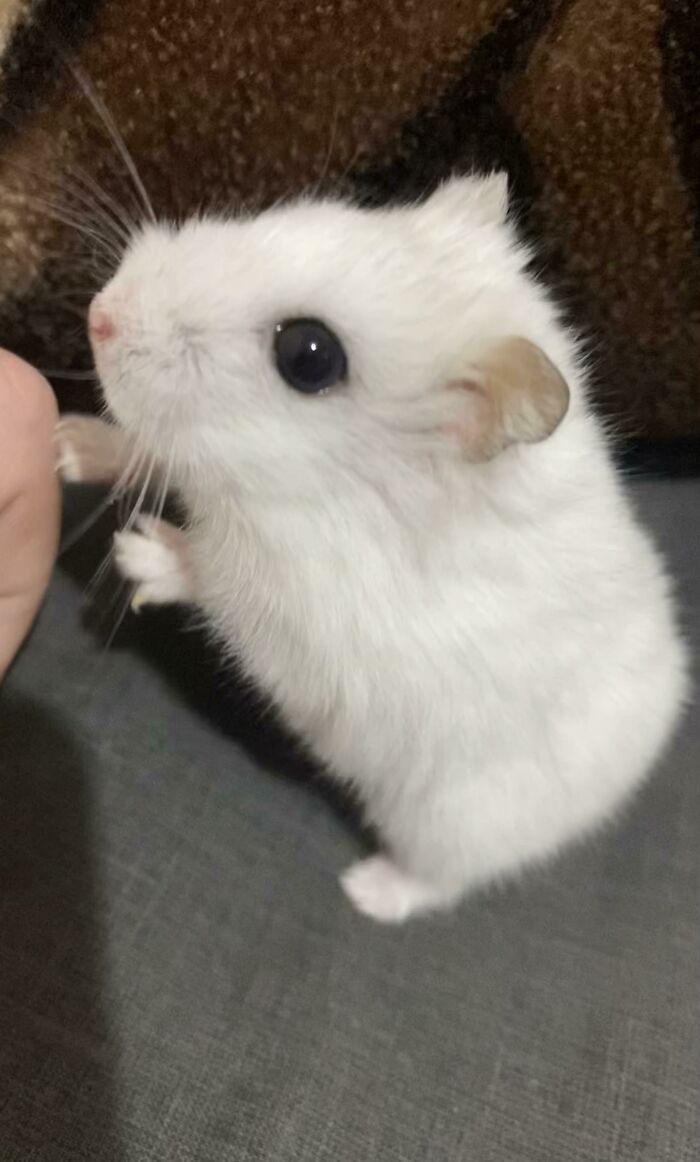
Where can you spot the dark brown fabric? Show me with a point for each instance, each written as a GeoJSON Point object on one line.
{"type": "Point", "coordinates": [592, 108]}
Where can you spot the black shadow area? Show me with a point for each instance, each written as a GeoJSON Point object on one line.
{"type": "Point", "coordinates": [57, 1057]}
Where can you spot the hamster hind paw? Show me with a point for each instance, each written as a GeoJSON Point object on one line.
{"type": "Point", "coordinates": [381, 890]}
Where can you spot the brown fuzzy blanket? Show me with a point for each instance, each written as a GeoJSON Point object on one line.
{"type": "Point", "coordinates": [593, 108]}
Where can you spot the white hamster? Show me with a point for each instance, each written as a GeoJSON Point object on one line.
{"type": "Point", "coordinates": [402, 517]}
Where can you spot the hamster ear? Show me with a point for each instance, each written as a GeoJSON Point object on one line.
{"type": "Point", "coordinates": [483, 199]}
{"type": "Point", "coordinates": [513, 395]}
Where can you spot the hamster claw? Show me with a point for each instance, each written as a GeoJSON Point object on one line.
{"type": "Point", "coordinates": [138, 600]}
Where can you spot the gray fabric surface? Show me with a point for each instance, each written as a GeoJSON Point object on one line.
{"type": "Point", "coordinates": [181, 979]}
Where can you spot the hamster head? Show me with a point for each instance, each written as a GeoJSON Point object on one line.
{"type": "Point", "coordinates": [270, 353]}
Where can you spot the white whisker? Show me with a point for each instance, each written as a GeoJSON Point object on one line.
{"type": "Point", "coordinates": [93, 97]}
{"type": "Point", "coordinates": [140, 500]}
{"type": "Point", "coordinates": [97, 578]}
{"type": "Point", "coordinates": [83, 526]}
{"type": "Point", "coordinates": [115, 231]}
{"type": "Point", "coordinates": [115, 494]}
{"type": "Point", "coordinates": [118, 623]}
{"type": "Point", "coordinates": [118, 213]}
{"type": "Point", "coordinates": [67, 218]}
{"type": "Point", "coordinates": [163, 496]}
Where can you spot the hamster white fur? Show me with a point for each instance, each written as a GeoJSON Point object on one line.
{"type": "Point", "coordinates": [471, 630]}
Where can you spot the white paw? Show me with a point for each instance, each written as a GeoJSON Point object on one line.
{"type": "Point", "coordinates": [154, 559]}
{"type": "Point", "coordinates": [378, 888]}
{"type": "Point", "coordinates": [68, 459]}
{"type": "Point", "coordinates": [88, 450]}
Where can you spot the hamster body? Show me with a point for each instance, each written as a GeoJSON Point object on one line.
{"type": "Point", "coordinates": [428, 563]}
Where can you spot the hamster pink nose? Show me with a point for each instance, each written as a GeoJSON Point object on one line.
{"type": "Point", "coordinates": [100, 322]}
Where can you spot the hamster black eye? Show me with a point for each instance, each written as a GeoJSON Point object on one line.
{"type": "Point", "coordinates": [309, 357]}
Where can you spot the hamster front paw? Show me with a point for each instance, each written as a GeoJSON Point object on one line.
{"type": "Point", "coordinates": [156, 558]}
{"type": "Point", "coordinates": [379, 889]}
{"type": "Point", "coordinates": [89, 450]}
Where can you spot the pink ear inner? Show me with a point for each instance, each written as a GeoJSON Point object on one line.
{"type": "Point", "coordinates": [514, 395]}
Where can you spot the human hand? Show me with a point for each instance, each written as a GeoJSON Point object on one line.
{"type": "Point", "coordinates": [29, 499]}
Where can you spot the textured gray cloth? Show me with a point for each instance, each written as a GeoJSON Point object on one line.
{"type": "Point", "coordinates": [181, 979]}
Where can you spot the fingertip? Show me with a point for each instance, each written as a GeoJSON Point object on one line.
{"type": "Point", "coordinates": [26, 397]}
